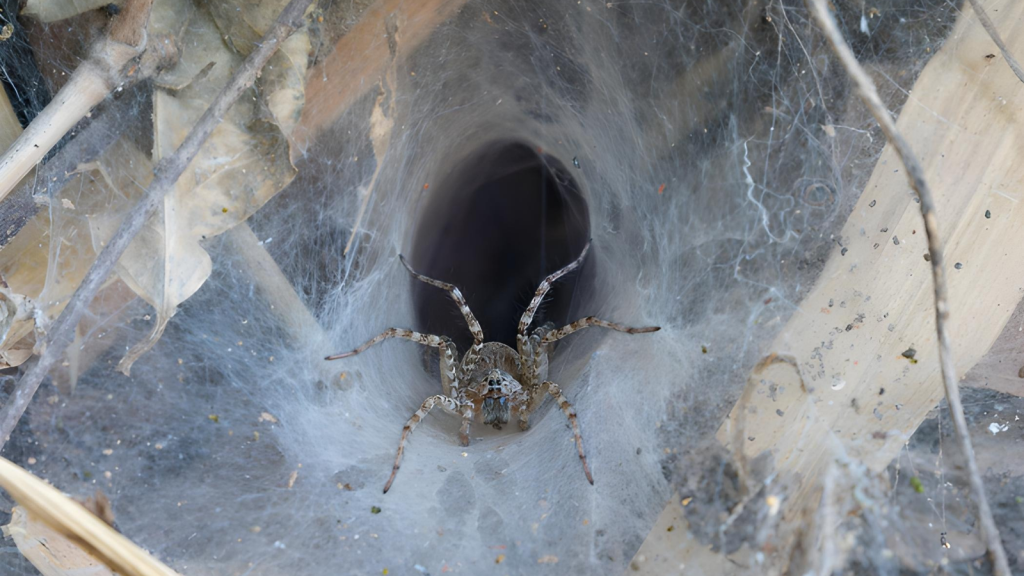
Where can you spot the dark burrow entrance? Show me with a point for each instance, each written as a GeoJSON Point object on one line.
{"type": "Point", "coordinates": [504, 218]}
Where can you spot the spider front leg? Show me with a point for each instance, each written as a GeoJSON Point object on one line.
{"type": "Point", "coordinates": [429, 403]}
{"type": "Point", "coordinates": [456, 295]}
{"type": "Point", "coordinates": [570, 413]}
{"type": "Point", "coordinates": [522, 341]}
{"type": "Point", "coordinates": [467, 419]}
{"type": "Point", "coordinates": [589, 321]}
{"type": "Point", "coordinates": [425, 339]}
{"type": "Point", "coordinates": [444, 345]}
{"type": "Point", "coordinates": [535, 370]}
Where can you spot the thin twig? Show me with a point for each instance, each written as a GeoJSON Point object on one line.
{"type": "Point", "coordinates": [915, 174]}
{"type": "Point", "coordinates": [989, 27]}
{"type": "Point", "coordinates": [167, 173]}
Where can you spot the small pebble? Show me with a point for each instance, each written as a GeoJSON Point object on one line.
{"type": "Point", "coordinates": [576, 162]}
{"type": "Point", "coordinates": [958, 266]}
{"type": "Point", "coordinates": [988, 213]}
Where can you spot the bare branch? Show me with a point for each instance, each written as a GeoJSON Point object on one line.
{"type": "Point", "coordinates": [105, 69]}
{"type": "Point", "coordinates": [915, 173]}
{"type": "Point", "coordinates": [167, 173]}
{"type": "Point", "coordinates": [989, 27]}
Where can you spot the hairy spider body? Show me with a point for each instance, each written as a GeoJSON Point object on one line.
{"type": "Point", "coordinates": [494, 383]}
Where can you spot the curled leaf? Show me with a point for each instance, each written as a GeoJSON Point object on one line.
{"type": "Point", "coordinates": [239, 168]}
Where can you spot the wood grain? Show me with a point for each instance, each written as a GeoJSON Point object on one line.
{"type": "Point", "coordinates": [856, 393]}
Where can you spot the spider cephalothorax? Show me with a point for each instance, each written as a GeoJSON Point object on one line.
{"type": "Point", "coordinates": [494, 383]}
{"type": "Point", "coordinates": [494, 396]}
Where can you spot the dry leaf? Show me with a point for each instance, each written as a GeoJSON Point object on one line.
{"type": "Point", "coordinates": [106, 312]}
{"type": "Point", "coordinates": [203, 54]}
{"type": "Point", "coordinates": [52, 553]}
{"type": "Point", "coordinates": [10, 127]}
{"type": "Point", "coordinates": [17, 320]}
{"type": "Point", "coordinates": [54, 10]}
{"type": "Point", "coordinates": [100, 507]}
{"type": "Point", "coordinates": [240, 167]}
{"type": "Point", "coordinates": [70, 519]}
{"type": "Point", "coordinates": [381, 125]}
{"type": "Point", "coordinates": [283, 83]}
{"type": "Point", "coordinates": [243, 164]}
{"type": "Point", "coordinates": [244, 22]}
{"type": "Point", "coordinates": [45, 274]}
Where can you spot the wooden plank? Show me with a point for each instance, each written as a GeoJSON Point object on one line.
{"type": "Point", "coordinates": [856, 394]}
{"type": "Point", "coordinates": [875, 303]}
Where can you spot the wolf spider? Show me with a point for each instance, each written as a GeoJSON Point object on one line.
{"type": "Point", "coordinates": [493, 382]}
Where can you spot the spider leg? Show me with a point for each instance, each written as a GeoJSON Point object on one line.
{"type": "Point", "coordinates": [535, 369]}
{"type": "Point", "coordinates": [589, 321]}
{"type": "Point", "coordinates": [449, 367]}
{"type": "Point", "coordinates": [570, 413]}
{"type": "Point", "coordinates": [425, 339]}
{"type": "Point", "coordinates": [448, 352]}
{"type": "Point", "coordinates": [467, 418]}
{"type": "Point", "coordinates": [474, 326]}
{"type": "Point", "coordinates": [524, 420]}
{"type": "Point", "coordinates": [429, 403]}
{"type": "Point", "coordinates": [542, 290]}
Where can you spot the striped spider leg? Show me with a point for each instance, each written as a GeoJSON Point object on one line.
{"type": "Point", "coordinates": [492, 382]}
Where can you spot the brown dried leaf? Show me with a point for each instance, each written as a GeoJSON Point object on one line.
{"type": "Point", "coordinates": [283, 83]}
{"type": "Point", "coordinates": [52, 553]}
{"type": "Point", "coordinates": [240, 167]}
{"type": "Point", "coordinates": [72, 520]}
{"type": "Point", "coordinates": [381, 125]}
{"type": "Point", "coordinates": [244, 22]}
{"type": "Point", "coordinates": [16, 322]}
{"type": "Point", "coordinates": [10, 127]}
{"type": "Point", "coordinates": [45, 274]}
{"type": "Point", "coordinates": [204, 55]}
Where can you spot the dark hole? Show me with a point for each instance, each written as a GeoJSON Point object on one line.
{"type": "Point", "coordinates": [506, 217]}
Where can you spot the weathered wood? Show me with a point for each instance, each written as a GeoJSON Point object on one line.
{"type": "Point", "coordinates": [860, 393]}
{"type": "Point", "coordinates": [361, 56]}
